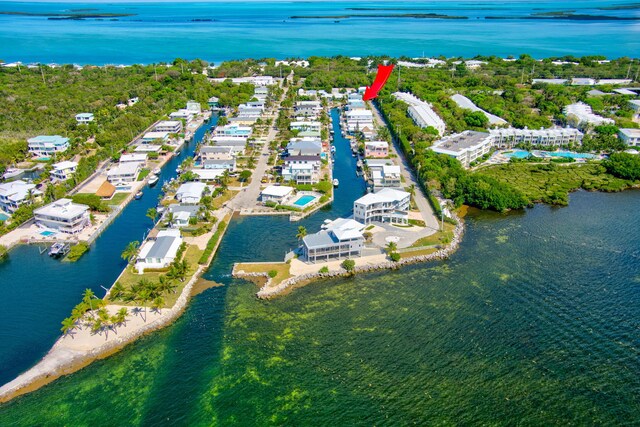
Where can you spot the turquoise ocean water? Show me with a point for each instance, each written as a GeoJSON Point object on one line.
{"type": "Point", "coordinates": [164, 31]}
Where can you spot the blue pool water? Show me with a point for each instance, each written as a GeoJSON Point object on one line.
{"type": "Point", "coordinates": [47, 233]}
{"type": "Point", "coordinates": [569, 154]}
{"type": "Point", "coordinates": [518, 154]}
{"type": "Point", "coordinates": [3, 217]}
{"type": "Point", "coordinates": [304, 200]}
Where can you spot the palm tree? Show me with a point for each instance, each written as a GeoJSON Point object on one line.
{"type": "Point", "coordinates": [302, 232]}
{"type": "Point", "coordinates": [87, 298]}
{"type": "Point", "coordinates": [391, 247]}
{"type": "Point", "coordinates": [117, 291]}
{"type": "Point", "coordinates": [143, 297]}
{"type": "Point", "coordinates": [122, 316]}
{"type": "Point", "coordinates": [170, 218]}
{"type": "Point", "coordinates": [152, 214]}
{"type": "Point", "coordinates": [131, 251]}
{"type": "Point", "coordinates": [68, 325]}
{"type": "Point", "coordinates": [157, 304]}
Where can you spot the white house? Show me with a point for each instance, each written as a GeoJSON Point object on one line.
{"type": "Point", "coordinates": [194, 106]}
{"type": "Point", "coordinates": [155, 136]}
{"type": "Point", "coordinates": [220, 163]}
{"type": "Point", "coordinates": [62, 171]}
{"type": "Point", "coordinates": [385, 175]}
{"type": "Point", "coordinates": [635, 106]}
{"type": "Point", "coordinates": [84, 118]}
{"type": "Point", "coordinates": [47, 145]}
{"type": "Point", "coordinates": [276, 193]}
{"type": "Point", "coordinates": [305, 147]}
{"type": "Point", "coordinates": [630, 136]}
{"type": "Point", "coordinates": [15, 193]}
{"type": "Point", "coordinates": [134, 158]}
{"type": "Point", "coordinates": [387, 205]}
{"type": "Point", "coordinates": [159, 252]}
{"type": "Point", "coordinates": [64, 216]}
{"type": "Point", "coordinates": [465, 147]}
{"type": "Point", "coordinates": [306, 126]}
{"type": "Point", "coordinates": [124, 173]}
{"type": "Point", "coordinates": [359, 119]}
{"type": "Point", "coordinates": [232, 131]}
{"type": "Point", "coordinates": [184, 114]}
{"type": "Point", "coordinates": [190, 192]}
{"type": "Point", "coordinates": [171, 126]}
{"type": "Point", "coordinates": [341, 238]}
{"type": "Point", "coordinates": [302, 169]}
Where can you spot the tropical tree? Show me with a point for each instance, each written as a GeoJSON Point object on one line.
{"type": "Point", "coordinates": [68, 325]}
{"type": "Point", "coordinates": [170, 217]}
{"type": "Point", "coordinates": [130, 252]}
{"type": "Point", "coordinates": [302, 232]}
{"type": "Point", "coordinates": [152, 214]}
{"type": "Point", "coordinates": [391, 247]}
{"type": "Point", "coordinates": [157, 304]}
{"type": "Point", "coordinates": [87, 298]}
{"type": "Point", "coordinates": [349, 265]}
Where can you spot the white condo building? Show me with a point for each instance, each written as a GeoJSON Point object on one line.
{"type": "Point", "coordinates": [387, 205]}
{"type": "Point", "coordinates": [15, 193]}
{"type": "Point", "coordinates": [582, 114]}
{"type": "Point", "coordinates": [630, 136]}
{"type": "Point", "coordinates": [341, 238]}
{"type": "Point", "coordinates": [553, 137]}
{"type": "Point", "coordinates": [465, 147]}
{"type": "Point", "coordinates": [171, 126]}
{"type": "Point", "coordinates": [421, 112]}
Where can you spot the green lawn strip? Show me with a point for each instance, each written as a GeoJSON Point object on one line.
{"type": "Point", "coordinates": [282, 270]}
{"type": "Point", "coordinates": [117, 199]}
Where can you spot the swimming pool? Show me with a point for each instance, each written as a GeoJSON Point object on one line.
{"type": "Point", "coordinates": [568, 154]}
{"type": "Point", "coordinates": [518, 154]}
{"type": "Point", "coordinates": [3, 217]}
{"type": "Point", "coordinates": [303, 201]}
{"type": "Point", "coordinates": [47, 233]}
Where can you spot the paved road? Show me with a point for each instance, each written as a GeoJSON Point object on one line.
{"type": "Point", "coordinates": [409, 178]}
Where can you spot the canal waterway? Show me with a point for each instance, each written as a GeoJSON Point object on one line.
{"type": "Point", "coordinates": [37, 292]}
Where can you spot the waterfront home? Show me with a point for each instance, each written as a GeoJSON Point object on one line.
{"type": "Point", "coordinates": [232, 131]}
{"type": "Point", "coordinates": [220, 163]}
{"type": "Point", "coordinates": [209, 152]}
{"type": "Point", "coordinates": [260, 81]}
{"type": "Point", "coordinates": [302, 169]}
{"type": "Point", "coordinates": [124, 173]}
{"type": "Point", "coordinates": [550, 81]}
{"type": "Point", "coordinates": [359, 119]}
{"type": "Point", "coordinates": [171, 126]}
{"type": "Point", "coordinates": [63, 216]}
{"type": "Point", "coordinates": [276, 193]}
{"type": "Point", "coordinates": [47, 145]}
{"type": "Point", "coordinates": [421, 112]}
{"type": "Point", "coordinates": [305, 126]}
{"type": "Point", "coordinates": [62, 171]}
{"type": "Point", "coordinates": [160, 251]}
{"type": "Point", "coordinates": [194, 106]}
{"type": "Point", "coordinates": [191, 192]}
{"type": "Point", "coordinates": [182, 114]}
{"type": "Point", "coordinates": [387, 205]}
{"type": "Point", "coordinates": [308, 108]}
{"type": "Point", "coordinates": [16, 193]}
{"type": "Point", "coordinates": [341, 238]}
{"type": "Point", "coordinates": [376, 149]}
{"type": "Point", "coordinates": [304, 147]}
{"type": "Point", "coordinates": [207, 175]}
{"type": "Point", "coordinates": [133, 158]}
{"type": "Point", "coordinates": [160, 137]}
{"type": "Point", "coordinates": [84, 118]}
{"type": "Point", "coordinates": [182, 214]}
{"type": "Point", "coordinates": [213, 102]}
{"type": "Point", "coordinates": [552, 137]}
{"type": "Point", "coordinates": [237, 145]}
{"type": "Point", "coordinates": [466, 147]}
{"type": "Point", "coordinates": [580, 115]}
{"type": "Point", "coordinates": [243, 121]}
{"type": "Point", "coordinates": [385, 175]}
{"type": "Point", "coordinates": [148, 148]}
{"type": "Point", "coordinates": [630, 137]}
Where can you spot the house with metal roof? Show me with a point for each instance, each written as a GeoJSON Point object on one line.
{"type": "Point", "coordinates": [62, 171]}
{"type": "Point", "coordinates": [159, 252]}
{"type": "Point", "coordinates": [47, 145]}
{"type": "Point", "coordinates": [387, 205]}
{"type": "Point", "coordinates": [191, 192]}
{"type": "Point", "coordinates": [341, 238]}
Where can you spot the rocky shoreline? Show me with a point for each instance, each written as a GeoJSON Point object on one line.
{"type": "Point", "coordinates": [267, 291]}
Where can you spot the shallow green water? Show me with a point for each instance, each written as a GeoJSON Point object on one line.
{"type": "Point", "coordinates": [535, 320]}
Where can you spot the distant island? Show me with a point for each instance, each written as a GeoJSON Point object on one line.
{"type": "Point", "coordinates": [391, 15]}
{"type": "Point", "coordinates": [568, 15]}
{"type": "Point", "coordinates": [65, 16]}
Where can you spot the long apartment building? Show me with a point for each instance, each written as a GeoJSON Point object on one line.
{"type": "Point", "coordinates": [421, 112]}
{"type": "Point", "coordinates": [553, 137]}
{"type": "Point", "coordinates": [465, 147]}
{"type": "Point", "coordinates": [584, 115]}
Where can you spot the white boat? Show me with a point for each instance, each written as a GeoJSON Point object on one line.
{"type": "Point", "coordinates": [336, 182]}
{"type": "Point", "coordinates": [156, 171]}
{"type": "Point", "coordinates": [333, 148]}
{"type": "Point", "coordinates": [153, 180]}
{"type": "Point", "coordinates": [138, 195]}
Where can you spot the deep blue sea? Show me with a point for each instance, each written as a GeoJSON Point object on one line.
{"type": "Point", "coordinates": [258, 29]}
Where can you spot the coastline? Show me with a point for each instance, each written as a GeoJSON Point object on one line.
{"type": "Point", "coordinates": [364, 264]}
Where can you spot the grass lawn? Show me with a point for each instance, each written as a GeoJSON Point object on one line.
{"type": "Point", "coordinates": [418, 252]}
{"type": "Point", "coordinates": [143, 174]}
{"type": "Point", "coordinates": [541, 181]}
{"type": "Point", "coordinates": [220, 200]}
{"type": "Point", "coordinates": [117, 199]}
{"type": "Point", "coordinates": [437, 238]}
{"type": "Point", "coordinates": [282, 269]}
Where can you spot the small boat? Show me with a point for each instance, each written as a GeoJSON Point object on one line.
{"type": "Point", "coordinates": [153, 180]}
{"type": "Point", "coordinates": [156, 171]}
{"type": "Point", "coordinates": [138, 195]}
{"type": "Point", "coordinates": [179, 171]}
{"type": "Point", "coordinates": [333, 148]}
{"type": "Point", "coordinates": [336, 182]}
{"type": "Point", "coordinates": [58, 249]}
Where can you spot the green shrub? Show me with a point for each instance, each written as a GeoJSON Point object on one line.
{"type": "Point", "coordinates": [94, 202]}
{"type": "Point", "coordinates": [348, 264]}
{"type": "Point", "coordinates": [77, 251]}
{"type": "Point", "coordinates": [211, 244]}
{"type": "Point", "coordinates": [395, 256]}
{"type": "Point", "coordinates": [324, 270]}
{"type": "Point", "coordinates": [272, 273]}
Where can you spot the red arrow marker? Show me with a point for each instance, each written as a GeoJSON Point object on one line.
{"type": "Point", "coordinates": [384, 71]}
